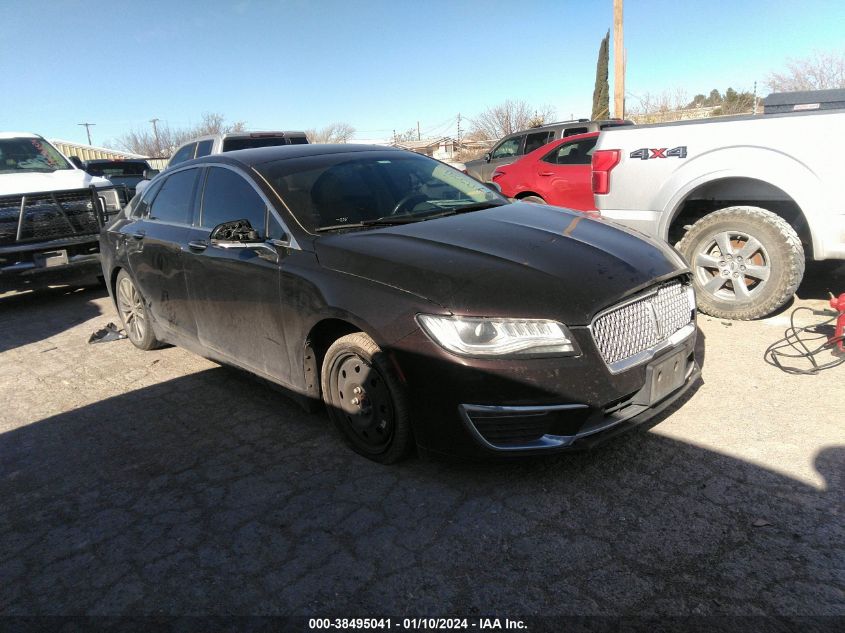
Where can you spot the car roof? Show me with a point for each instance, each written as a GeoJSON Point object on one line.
{"type": "Point", "coordinates": [6, 135]}
{"type": "Point", "coordinates": [260, 155]}
{"type": "Point", "coordinates": [100, 161]}
{"type": "Point", "coordinates": [243, 134]}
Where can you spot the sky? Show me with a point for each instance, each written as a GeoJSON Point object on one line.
{"type": "Point", "coordinates": [377, 65]}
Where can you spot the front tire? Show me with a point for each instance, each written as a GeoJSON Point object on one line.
{"type": "Point", "coordinates": [746, 262]}
{"type": "Point", "coordinates": [133, 313]}
{"type": "Point", "coordinates": [365, 399]}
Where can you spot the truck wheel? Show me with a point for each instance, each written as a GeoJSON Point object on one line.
{"type": "Point", "coordinates": [746, 262]}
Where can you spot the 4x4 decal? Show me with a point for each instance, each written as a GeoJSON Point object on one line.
{"type": "Point", "coordinates": [662, 152]}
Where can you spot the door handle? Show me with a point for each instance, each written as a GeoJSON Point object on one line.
{"type": "Point", "coordinates": [198, 245]}
{"type": "Point", "coordinates": [139, 235]}
{"type": "Point", "coordinates": [547, 173]}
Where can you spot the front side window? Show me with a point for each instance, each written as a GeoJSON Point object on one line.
{"type": "Point", "coordinates": [186, 153]}
{"type": "Point", "coordinates": [358, 189]}
{"type": "Point", "coordinates": [575, 153]}
{"type": "Point", "coordinates": [174, 199]}
{"type": "Point", "coordinates": [30, 155]}
{"type": "Point", "coordinates": [228, 197]}
{"type": "Point", "coordinates": [508, 148]}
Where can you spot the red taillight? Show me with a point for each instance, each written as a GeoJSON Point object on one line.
{"type": "Point", "coordinates": [604, 160]}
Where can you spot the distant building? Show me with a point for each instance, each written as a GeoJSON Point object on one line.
{"type": "Point", "coordinates": [443, 148]}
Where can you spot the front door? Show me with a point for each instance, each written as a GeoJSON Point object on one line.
{"type": "Point", "coordinates": [235, 291]}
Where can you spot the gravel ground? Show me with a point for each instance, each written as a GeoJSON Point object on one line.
{"type": "Point", "coordinates": [162, 483]}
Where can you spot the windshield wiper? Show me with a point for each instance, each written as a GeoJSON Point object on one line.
{"type": "Point", "coordinates": [387, 220]}
{"type": "Point", "coordinates": [392, 220]}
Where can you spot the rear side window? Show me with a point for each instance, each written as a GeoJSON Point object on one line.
{"type": "Point", "coordinates": [248, 142]}
{"type": "Point", "coordinates": [575, 153]}
{"type": "Point", "coordinates": [227, 197]}
{"type": "Point", "coordinates": [298, 140]}
{"type": "Point", "coordinates": [204, 148]}
{"type": "Point", "coordinates": [173, 202]}
{"type": "Point", "coordinates": [537, 140]}
{"type": "Point", "coordinates": [186, 153]}
{"type": "Point", "coordinates": [572, 131]}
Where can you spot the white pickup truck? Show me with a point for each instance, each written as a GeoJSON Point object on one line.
{"type": "Point", "coordinates": [51, 214]}
{"type": "Point", "coordinates": [745, 199]}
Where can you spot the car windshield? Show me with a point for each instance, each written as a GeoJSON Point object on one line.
{"type": "Point", "coordinates": [355, 189]}
{"type": "Point", "coordinates": [30, 154]}
{"type": "Point", "coordinates": [117, 168]}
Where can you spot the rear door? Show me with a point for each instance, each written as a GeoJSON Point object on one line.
{"type": "Point", "coordinates": [563, 175]}
{"type": "Point", "coordinates": [154, 244]}
{"type": "Point", "coordinates": [236, 290]}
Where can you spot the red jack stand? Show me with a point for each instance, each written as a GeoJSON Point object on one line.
{"type": "Point", "coordinates": [838, 304]}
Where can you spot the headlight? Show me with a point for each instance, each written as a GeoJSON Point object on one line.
{"type": "Point", "coordinates": [110, 200]}
{"type": "Point", "coordinates": [471, 336]}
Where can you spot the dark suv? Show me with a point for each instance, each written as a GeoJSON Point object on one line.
{"type": "Point", "coordinates": [127, 172]}
{"type": "Point", "coordinates": [514, 146]}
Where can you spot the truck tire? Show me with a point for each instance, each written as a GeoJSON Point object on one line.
{"type": "Point", "coordinates": [746, 262]}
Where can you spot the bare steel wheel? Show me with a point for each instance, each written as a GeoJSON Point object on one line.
{"type": "Point", "coordinates": [133, 313]}
{"type": "Point", "coordinates": [365, 400]}
{"type": "Point", "coordinates": [746, 262]}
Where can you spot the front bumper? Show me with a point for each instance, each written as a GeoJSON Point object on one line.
{"type": "Point", "coordinates": [46, 263]}
{"type": "Point", "coordinates": [482, 408]}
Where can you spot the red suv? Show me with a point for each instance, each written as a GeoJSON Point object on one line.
{"type": "Point", "coordinates": [557, 173]}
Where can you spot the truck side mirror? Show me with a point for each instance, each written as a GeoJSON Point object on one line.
{"type": "Point", "coordinates": [76, 162]}
{"type": "Point", "coordinates": [149, 174]}
{"type": "Point", "coordinates": [487, 157]}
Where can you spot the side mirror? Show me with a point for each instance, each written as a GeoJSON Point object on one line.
{"type": "Point", "coordinates": [487, 157]}
{"type": "Point", "coordinates": [238, 231]}
{"type": "Point", "coordinates": [149, 174]}
{"type": "Point", "coordinates": [76, 161]}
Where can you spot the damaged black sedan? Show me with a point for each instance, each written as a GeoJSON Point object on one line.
{"type": "Point", "coordinates": [419, 305]}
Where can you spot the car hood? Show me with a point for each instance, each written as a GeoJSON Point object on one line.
{"type": "Point", "coordinates": [520, 260]}
{"type": "Point", "coordinates": [60, 180]}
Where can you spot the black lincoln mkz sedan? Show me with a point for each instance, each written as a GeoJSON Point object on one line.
{"type": "Point", "coordinates": [422, 307]}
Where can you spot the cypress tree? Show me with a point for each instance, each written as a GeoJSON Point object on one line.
{"type": "Point", "coordinates": [601, 93]}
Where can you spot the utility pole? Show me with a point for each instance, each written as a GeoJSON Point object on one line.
{"type": "Point", "coordinates": [618, 62]}
{"type": "Point", "coordinates": [459, 128]}
{"type": "Point", "coordinates": [88, 130]}
{"type": "Point", "coordinates": [755, 97]}
{"type": "Point", "coordinates": [418, 130]}
{"type": "Point", "coordinates": [155, 133]}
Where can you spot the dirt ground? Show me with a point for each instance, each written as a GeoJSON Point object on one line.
{"type": "Point", "coordinates": [162, 483]}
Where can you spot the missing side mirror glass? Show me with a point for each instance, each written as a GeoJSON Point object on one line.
{"type": "Point", "coordinates": [236, 231]}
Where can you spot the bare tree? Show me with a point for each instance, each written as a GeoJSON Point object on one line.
{"type": "Point", "coordinates": [820, 71]}
{"type": "Point", "coordinates": [509, 117]}
{"type": "Point", "coordinates": [161, 142]}
{"type": "Point", "coordinates": [332, 133]}
{"type": "Point", "coordinates": [409, 135]}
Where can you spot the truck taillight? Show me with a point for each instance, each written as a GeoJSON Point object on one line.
{"type": "Point", "coordinates": [604, 160]}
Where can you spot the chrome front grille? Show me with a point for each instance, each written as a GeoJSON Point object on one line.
{"type": "Point", "coordinates": [625, 331]}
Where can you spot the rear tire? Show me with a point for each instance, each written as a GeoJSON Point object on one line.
{"type": "Point", "coordinates": [534, 199]}
{"type": "Point", "coordinates": [133, 312]}
{"type": "Point", "coordinates": [365, 399]}
{"type": "Point", "coordinates": [746, 262]}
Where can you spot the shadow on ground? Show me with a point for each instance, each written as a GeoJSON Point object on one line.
{"type": "Point", "coordinates": [32, 316]}
{"type": "Point", "coordinates": [213, 494]}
